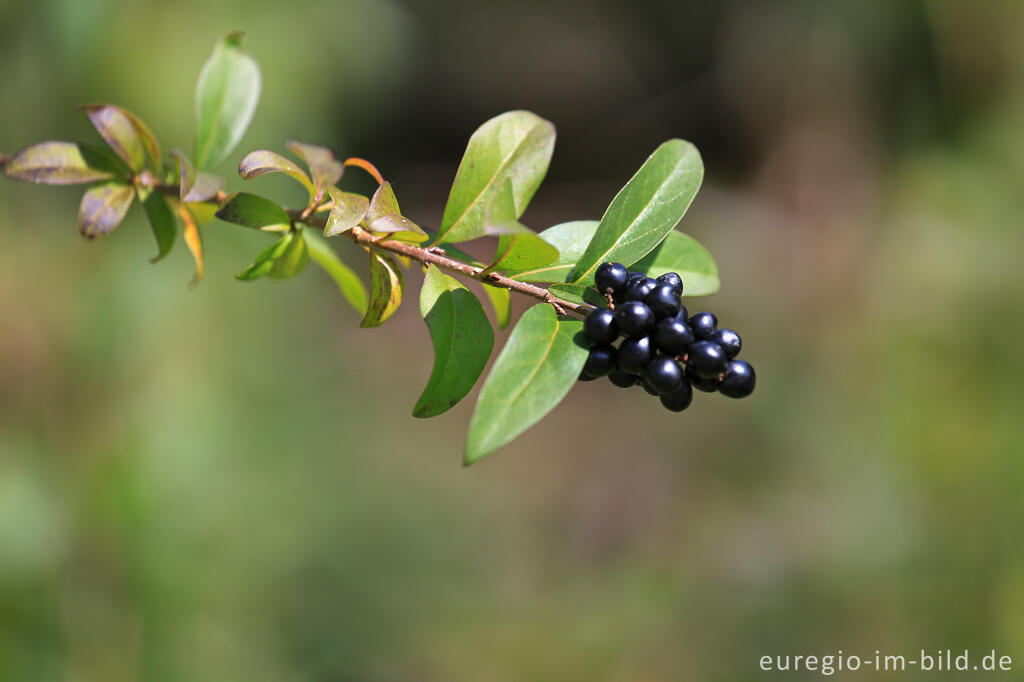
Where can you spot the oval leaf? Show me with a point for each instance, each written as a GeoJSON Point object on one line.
{"type": "Point", "coordinates": [571, 240]}
{"type": "Point", "coordinates": [682, 254]}
{"type": "Point", "coordinates": [323, 167]}
{"type": "Point", "coordinates": [59, 163]}
{"type": "Point", "coordinates": [501, 301]}
{"type": "Point", "coordinates": [254, 211]}
{"type": "Point", "coordinates": [349, 284]}
{"type": "Point", "coordinates": [348, 211]}
{"type": "Point", "coordinates": [262, 161]}
{"type": "Point", "coordinates": [522, 248]}
{"type": "Point", "coordinates": [538, 365]}
{"type": "Point", "coordinates": [226, 96]}
{"type": "Point", "coordinates": [103, 208]}
{"type": "Point", "coordinates": [265, 259]}
{"type": "Point", "coordinates": [385, 290]}
{"type": "Point", "coordinates": [519, 247]}
{"type": "Point", "coordinates": [577, 293]}
{"type": "Point", "coordinates": [120, 133]}
{"type": "Point", "coordinates": [384, 216]}
{"type": "Point", "coordinates": [462, 338]}
{"type": "Point", "coordinates": [646, 209]}
{"type": "Point", "coordinates": [292, 260]}
{"type": "Point", "coordinates": [515, 146]}
{"type": "Point", "coordinates": [161, 219]}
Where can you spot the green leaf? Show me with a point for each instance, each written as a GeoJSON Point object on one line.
{"type": "Point", "coordinates": [385, 290]}
{"type": "Point", "coordinates": [462, 338]}
{"type": "Point", "coordinates": [538, 365]}
{"type": "Point", "coordinates": [254, 211]}
{"type": "Point", "coordinates": [60, 163]}
{"type": "Point", "coordinates": [226, 96]}
{"type": "Point", "coordinates": [348, 211]}
{"type": "Point", "coordinates": [161, 219]}
{"type": "Point", "coordinates": [262, 161]}
{"type": "Point", "coordinates": [103, 208]}
{"type": "Point", "coordinates": [577, 293]}
{"type": "Point", "coordinates": [265, 260]}
{"type": "Point", "coordinates": [515, 146]}
{"type": "Point", "coordinates": [194, 186]}
{"type": "Point", "coordinates": [646, 209]}
{"type": "Point", "coordinates": [682, 254]}
{"type": "Point", "coordinates": [519, 247]}
{"type": "Point", "coordinates": [285, 258]}
{"type": "Point", "coordinates": [122, 133]}
{"type": "Point", "coordinates": [294, 258]}
{"type": "Point", "coordinates": [501, 301]}
{"type": "Point", "coordinates": [349, 284]}
{"type": "Point", "coordinates": [571, 240]}
{"type": "Point", "coordinates": [323, 167]}
{"type": "Point", "coordinates": [384, 216]}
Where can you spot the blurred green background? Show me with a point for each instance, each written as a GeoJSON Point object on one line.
{"type": "Point", "coordinates": [225, 483]}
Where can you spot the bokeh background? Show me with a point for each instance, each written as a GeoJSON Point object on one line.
{"type": "Point", "coordinates": [225, 483]}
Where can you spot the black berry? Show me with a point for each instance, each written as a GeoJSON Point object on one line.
{"type": "Point", "coordinates": [673, 280]}
{"type": "Point", "coordinates": [646, 383]}
{"type": "Point", "coordinates": [684, 315]}
{"type": "Point", "coordinates": [706, 360]}
{"type": "Point", "coordinates": [633, 275]}
{"type": "Point", "coordinates": [622, 379]}
{"type": "Point", "coordinates": [634, 318]}
{"type": "Point", "coordinates": [703, 325]}
{"type": "Point", "coordinates": [663, 301]}
{"type": "Point", "coordinates": [729, 341]}
{"type": "Point", "coordinates": [701, 384]}
{"type": "Point", "coordinates": [664, 374]}
{"type": "Point", "coordinates": [672, 336]}
{"type": "Point", "coordinates": [600, 361]}
{"type": "Point", "coordinates": [738, 381]}
{"type": "Point", "coordinates": [638, 289]}
{"type": "Point", "coordinates": [600, 326]}
{"type": "Point", "coordinates": [610, 278]}
{"type": "Point", "coordinates": [634, 354]}
{"type": "Point", "coordinates": [681, 399]}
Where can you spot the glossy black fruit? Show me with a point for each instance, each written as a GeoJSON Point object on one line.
{"type": "Point", "coordinates": [664, 374]}
{"type": "Point", "coordinates": [681, 399]}
{"type": "Point", "coordinates": [600, 326]}
{"type": "Point", "coordinates": [663, 301]}
{"type": "Point", "coordinates": [646, 383]}
{"type": "Point", "coordinates": [634, 318]}
{"type": "Point", "coordinates": [703, 325]}
{"type": "Point", "coordinates": [600, 361]}
{"type": "Point", "coordinates": [684, 315]}
{"type": "Point", "coordinates": [638, 289]}
{"type": "Point", "coordinates": [633, 276]}
{"type": "Point", "coordinates": [738, 381]}
{"type": "Point", "coordinates": [622, 379]}
{"type": "Point", "coordinates": [610, 278]}
{"type": "Point", "coordinates": [706, 360]}
{"type": "Point", "coordinates": [673, 280]}
{"type": "Point", "coordinates": [672, 336]}
{"type": "Point", "coordinates": [634, 354]}
{"type": "Point", "coordinates": [729, 341]}
{"type": "Point", "coordinates": [701, 384]}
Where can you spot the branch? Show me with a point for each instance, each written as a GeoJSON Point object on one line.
{"type": "Point", "coordinates": [435, 256]}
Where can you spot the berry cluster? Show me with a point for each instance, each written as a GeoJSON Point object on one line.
{"type": "Point", "coordinates": [665, 350]}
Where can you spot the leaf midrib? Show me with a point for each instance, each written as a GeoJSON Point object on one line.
{"type": "Point", "coordinates": [497, 172]}
{"type": "Point", "coordinates": [632, 223]}
{"type": "Point", "coordinates": [529, 379]}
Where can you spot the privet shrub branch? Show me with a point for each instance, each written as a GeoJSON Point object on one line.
{"type": "Point", "coordinates": [504, 163]}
